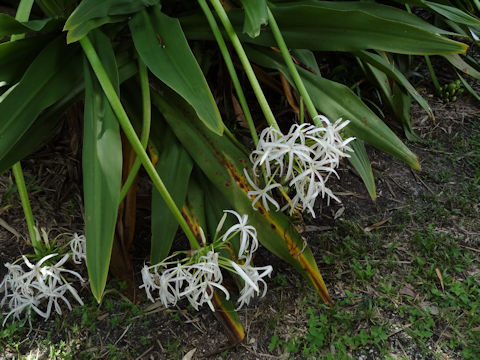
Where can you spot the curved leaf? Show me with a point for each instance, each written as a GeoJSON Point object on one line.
{"type": "Point", "coordinates": [342, 26]}
{"type": "Point", "coordinates": [162, 46]}
{"type": "Point", "coordinates": [16, 56]}
{"type": "Point", "coordinates": [338, 101]}
{"type": "Point", "coordinates": [463, 66]}
{"type": "Point", "coordinates": [10, 26]}
{"type": "Point", "coordinates": [222, 162]}
{"type": "Point", "coordinates": [91, 14]}
{"type": "Point", "coordinates": [359, 160]}
{"type": "Point", "coordinates": [255, 16]}
{"type": "Point", "coordinates": [102, 167]}
{"type": "Point", "coordinates": [54, 73]}
{"type": "Point", "coordinates": [382, 64]}
{"type": "Point", "coordinates": [452, 13]}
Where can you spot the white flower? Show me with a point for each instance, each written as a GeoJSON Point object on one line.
{"type": "Point", "coordinates": [78, 244]}
{"type": "Point", "coordinates": [248, 236]}
{"type": "Point", "coordinates": [262, 194]}
{"type": "Point", "coordinates": [253, 277]}
{"type": "Point", "coordinates": [26, 291]}
{"type": "Point", "coordinates": [205, 276]}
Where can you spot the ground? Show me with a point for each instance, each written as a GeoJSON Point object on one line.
{"type": "Point", "coordinates": [403, 271]}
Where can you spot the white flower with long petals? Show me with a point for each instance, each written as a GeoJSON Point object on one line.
{"type": "Point", "coordinates": [261, 194]}
{"type": "Point", "coordinates": [248, 236]}
{"type": "Point", "coordinates": [253, 277]}
{"type": "Point", "coordinates": [78, 244]}
{"type": "Point", "coordinates": [206, 275]}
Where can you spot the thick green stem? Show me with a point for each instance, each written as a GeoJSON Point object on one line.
{"type": "Point", "coordinates": [23, 13]}
{"type": "Point", "coordinates": [432, 73]}
{"type": "Point", "coordinates": [291, 65]}
{"type": "Point", "coordinates": [133, 138]}
{"type": "Point", "coordinates": [146, 121]}
{"type": "Point", "coordinates": [231, 69]}
{"type": "Point", "coordinates": [267, 112]}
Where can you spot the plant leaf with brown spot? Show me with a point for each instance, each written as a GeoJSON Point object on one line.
{"type": "Point", "coordinates": [222, 162]}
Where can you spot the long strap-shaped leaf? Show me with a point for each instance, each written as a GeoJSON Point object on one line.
{"type": "Point", "coordinates": [223, 164]}
{"type": "Point", "coordinates": [54, 73]}
{"type": "Point", "coordinates": [390, 69]}
{"type": "Point", "coordinates": [342, 26]}
{"type": "Point", "coordinates": [336, 100]}
{"type": "Point", "coordinates": [102, 167]}
{"type": "Point", "coordinates": [162, 46]}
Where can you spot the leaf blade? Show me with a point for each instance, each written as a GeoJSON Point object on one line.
{"type": "Point", "coordinates": [102, 167]}
{"type": "Point", "coordinates": [162, 46]}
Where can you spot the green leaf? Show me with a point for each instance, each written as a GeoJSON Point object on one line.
{"type": "Point", "coordinates": [174, 167]}
{"type": "Point", "coordinates": [342, 26]}
{"type": "Point", "coordinates": [359, 160]}
{"type": "Point", "coordinates": [401, 105]}
{"type": "Point", "coordinates": [16, 56]}
{"type": "Point", "coordinates": [10, 26]}
{"type": "Point", "coordinates": [54, 73]}
{"type": "Point", "coordinates": [256, 15]}
{"type": "Point", "coordinates": [162, 46]}
{"type": "Point", "coordinates": [452, 13]}
{"type": "Point", "coordinates": [102, 167]}
{"type": "Point", "coordinates": [382, 64]}
{"type": "Point", "coordinates": [91, 14]}
{"type": "Point", "coordinates": [338, 101]}
{"type": "Point", "coordinates": [222, 163]}
{"type": "Point", "coordinates": [44, 126]}
{"type": "Point", "coordinates": [463, 66]}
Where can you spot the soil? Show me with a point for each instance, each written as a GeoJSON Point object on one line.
{"type": "Point", "coordinates": [158, 333]}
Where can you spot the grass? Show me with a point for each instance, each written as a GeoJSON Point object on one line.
{"type": "Point", "coordinates": [411, 289]}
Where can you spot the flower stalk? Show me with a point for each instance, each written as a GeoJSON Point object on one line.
{"type": "Point", "coordinates": [291, 66]}
{"type": "Point", "coordinates": [267, 112]}
{"type": "Point", "coordinates": [23, 13]}
{"type": "Point", "coordinates": [231, 69]}
{"type": "Point", "coordinates": [146, 121]}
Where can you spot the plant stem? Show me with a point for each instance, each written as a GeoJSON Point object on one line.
{"type": "Point", "coordinates": [432, 74]}
{"type": "Point", "coordinates": [231, 69]}
{"type": "Point", "coordinates": [27, 210]}
{"type": "Point", "coordinates": [133, 138]}
{"type": "Point", "coordinates": [23, 13]}
{"type": "Point", "coordinates": [290, 64]}
{"type": "Point", "coordinates": [267, 112]}
{"type": "Point", "coordinates": [146, 121]}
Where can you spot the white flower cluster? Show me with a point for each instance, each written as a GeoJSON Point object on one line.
{"type": "Point", "coordinates": [41, 287]}
{"type": "Point", "coordinates": [197, 277]}
{"type": "Point", "coordinates": [303, 159]}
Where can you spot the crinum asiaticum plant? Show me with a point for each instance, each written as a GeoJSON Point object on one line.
{"type": "Point", "coordinates": [131, 64]}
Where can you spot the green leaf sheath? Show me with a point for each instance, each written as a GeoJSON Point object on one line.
{"type": "Point", "coordinates": [341, 26]}
{"type": "Point", "coordinates": [162, 46]}
{"type": "Point", "coordinates": [174, 167]}
{"type": "Point", "coordinates": [102, 167]}
{"type": "Point", "coordinates": [338, 101]}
